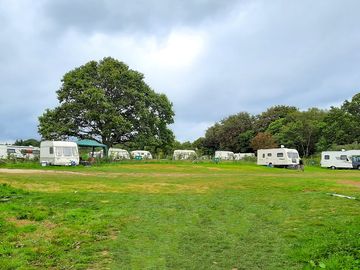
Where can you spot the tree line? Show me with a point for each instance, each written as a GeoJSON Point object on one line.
{"type": "Point", "coordinates": [310, 131]}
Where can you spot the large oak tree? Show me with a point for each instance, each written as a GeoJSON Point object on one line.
{"type": "Point", "coordinates": [108, 102]}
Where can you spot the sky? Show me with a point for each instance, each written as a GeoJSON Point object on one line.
{"type": "Point", "coordinates": [211, 58]}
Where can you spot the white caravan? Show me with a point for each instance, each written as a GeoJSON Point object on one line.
{"type": "Point", "coordinates": [278, 157]}
{"type": "Point", "coordinates": [16, 151]}
{"type": "Point", "coordinates": [224, 155]}
{"type": "Point", "coordinates": [141, 154]}
{"type": "Point", "coordinates": [340, 159]}
{"type": "Point", "coordinates": [184, 154]}
{"type": "Point", "coordinates": [59, 153]}
{"type": "Point", "coordinates": [3, 152]}
{"type": "Point", "coordinates": [240, 156]}
{"type": "Point", "coordinates": [118, 154]}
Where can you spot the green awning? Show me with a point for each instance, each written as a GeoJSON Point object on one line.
{"type": "Point", "coordinates": [90, 143]}
{"type": "Point", "coordinates": [93, 144]}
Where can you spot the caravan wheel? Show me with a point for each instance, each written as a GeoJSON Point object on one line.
{"type": "Point", "coordinates": [333, 167]}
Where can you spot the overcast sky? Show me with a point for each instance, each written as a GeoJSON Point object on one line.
{"type": "Point", "coordinates": [211, 58]}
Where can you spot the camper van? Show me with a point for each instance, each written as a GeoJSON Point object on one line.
{"type": "Point", "coordinates": [141, 154]}
{"type": "Point", "coordinates": [184, 154]}
{"type": "Point", "coordinates": [59, 153]}
{"type": "Point", "coordinates": [278, 157]}
{"type": "Point", "coordinates": [341, 159]}
{"type": "Point", "coordinates": [118, 154]}
{"type": "Point", "coordinates": [224, 155]}
{"type": "Point", "coordinates": [240, 156]}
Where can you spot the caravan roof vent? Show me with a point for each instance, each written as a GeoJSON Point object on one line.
{"type": "Point", "coordinates": [343, 150]}
{"type": "Point", "coordinates": [282, 146]}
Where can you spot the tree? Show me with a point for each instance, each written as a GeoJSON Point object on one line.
{"type": "Point", "coordinates": [212, 139]}
{"type": "Point", "coordinates": [300, 130]}
{"type": "Point", "coordinates": [110, 103]}
{"type": "Point", "coordinates": [263, 140]}
{"type": "Point", "coordinates": [272, 114]}
{"type": "Point", "coordinates": [32, 142]}
{"type": "Point", "coordinates": [236, 132]}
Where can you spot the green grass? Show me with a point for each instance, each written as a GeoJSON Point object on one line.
{"type": "Point", "coordinates": [167, 215]}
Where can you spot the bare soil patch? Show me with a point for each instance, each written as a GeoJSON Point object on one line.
{"type": "Point", "coordinates": [350, 183]}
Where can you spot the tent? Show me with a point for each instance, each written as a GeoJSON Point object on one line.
{"type": "Point", "coordinates": [93, 144]}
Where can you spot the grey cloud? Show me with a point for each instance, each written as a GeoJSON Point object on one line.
{"type": "Point", "coordinates": [298, 54]}
{"type": "Point", "coordinates": [153, 16]}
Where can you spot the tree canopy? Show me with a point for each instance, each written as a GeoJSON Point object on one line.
{"type": "Point", "coordinates": [308, 131]}
{"type": "Point", "coordinates": [110, 103]}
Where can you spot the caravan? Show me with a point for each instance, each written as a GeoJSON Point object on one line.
{"type": "Point", "coordinates": [224, 155]}
{"type": "Point", "coordinates": [59, 153]}
{"type": "Point", "coordinates": [184, 154]}
{"type": "Point", "coordinates": [278, 157]}
{"type": "Point", "coordinates": [141, 154]}
{"type": "Point", "coordinates": [16, 151]}
{"type": "Point", "coordinates": [118, 154]}
{"type": "Point", "coordinates": [341, 159]}
{"type": "Point", "coordinates": [240, 156]}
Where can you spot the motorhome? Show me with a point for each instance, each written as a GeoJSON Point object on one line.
{"type": "Point", "coordinates": [224, 155]}
{"type": "Point", "coordinates": [184, 154]}
{"type": "Point", "coordinates": [59, 153]}
{"type": "Point", "coordinates": [141, 154]}
{"type": "Point", "coordinates": [118, 154]}
{"type": "Point", "coordinates": [240, 156]}
{"type": "Point", "coordinates": [341, 159]}
{"type": "Point", "coordinates": [278, 157]}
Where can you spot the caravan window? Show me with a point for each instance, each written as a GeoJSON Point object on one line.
{"type": "Point", "coordinates": [343, 157]}
{"type": "Point", "coordinates": [326, 157]}
{"type": "Point", "coordinates": [269, 154]}
{"type": "Point", "coordinates": [58, 151]}
{"type": "Point", "coordinates": [293, 155]}
{"type": "Point", "coordinates": [263, 155]}
{"type": "Point", "coordinates": [67, 151]}
{"type": "Point", "coordinates": [280, 154]}
{"type": "Point", "coordinates": [51, 150]}
{"type": "Point", "coordinates": [11, 151]}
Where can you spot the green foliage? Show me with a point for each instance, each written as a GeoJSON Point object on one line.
{"type": "Point", "coordinates": [309, 131]}
{"type": "Point", "coordinates": [263, 140]}
{"type": "Point", "coordinates": [32, 142]}
{"type": "Point", "coordinates": [265, 119]}
{"type": "Point", "coordinates": [111, 103]}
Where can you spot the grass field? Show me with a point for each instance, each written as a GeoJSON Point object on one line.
{"type": "Point", "coordinates": [178, 216]}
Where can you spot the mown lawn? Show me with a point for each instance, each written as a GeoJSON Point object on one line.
{"type": "Point", "coordinates": [178, 216]}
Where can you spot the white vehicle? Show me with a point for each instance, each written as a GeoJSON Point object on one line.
{"type": "Point", "coordinates": [240, 156]}
{"type": "Point", "coordinates": [96, 154]}
{"type": "Point", "coordinates": [224, 155]}
{"type": "Point", "coordinates": [141, 154]}
{"type": "Point", "coordinates": [3, 152]}
{"type": "Point", "coordinates": [184, 154]}
{"type": "Point", "coordinates": [118, 154]}
{"type": "Point", "coordinates": [16, 151]}
{"type": "Point", "coordinates": [59, 153]}
{"type": "Point", "coordinates": [278, 157]}
{"type": "Point", "coordinates": [341, 159]}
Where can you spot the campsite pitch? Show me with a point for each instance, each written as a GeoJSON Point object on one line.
{"type": "Point", "coordinates": [178, 216]}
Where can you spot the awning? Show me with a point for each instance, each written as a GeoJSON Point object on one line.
{"type": "Point", "coordinates": [93, 144]}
